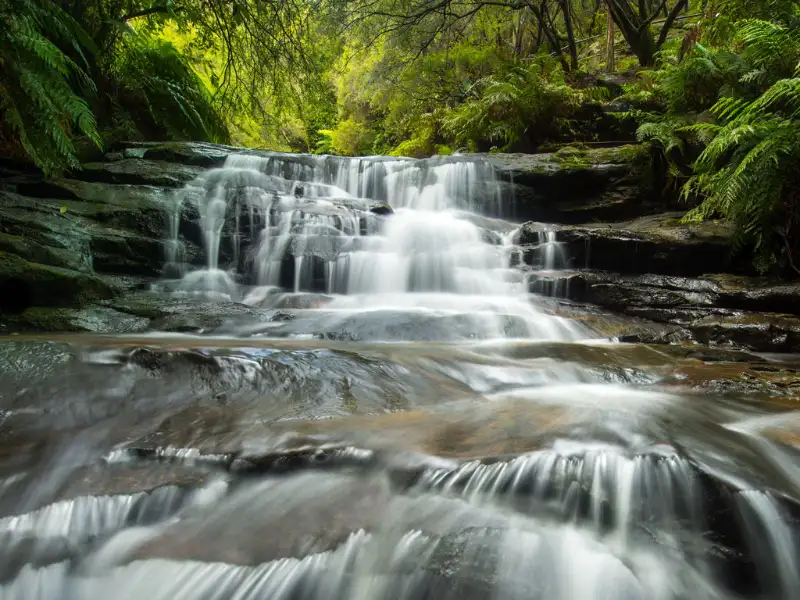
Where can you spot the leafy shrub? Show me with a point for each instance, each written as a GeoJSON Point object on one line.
{"type": "Point", "coordinates": [352, 138]}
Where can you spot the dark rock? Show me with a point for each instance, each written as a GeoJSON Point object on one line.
{"type": "Point", "coordinates": [138, 172]}
{"type": "Point", "coordinates": [110, 229]}
{"type": "Point", "coordinates": [657, 244]}
{"type": "Point", "coordinates": [24, 284]}
{"type": "Point", "coordinates": [381, 209]}
{"type": "Point", "coordinates": [577, 185]}
{"type": "Point", "coordinates": [709, 310]}
{"type": "Point", "coordinates": [193, 154]}
{"type": "Point", "coordinates": [42, 254]}
{"type": "Point", "coordinates": [94, 319]}
{"type": "Point", "coordinates": [171, 312]}
{"type": "Point", "coordinates": [760, 332]}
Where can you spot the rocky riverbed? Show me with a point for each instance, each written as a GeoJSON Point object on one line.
{"type": "Point", "coordinates": [82, 253]}
{"type": "Point", "coordinates": [245, 375]}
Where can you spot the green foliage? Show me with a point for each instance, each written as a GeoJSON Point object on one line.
{"type": "Point", "coordinates": [747, 171]}
{"type": "Point", "coordinates": [39, 80]}
{"type": "Point", "coordinates": [351, 138]}
{"type": "Point", "coordinates": [507, 109]}
{"type": "Point", "coordinates": [158, 78]}
{"type": "Point", "coordinates": [747, 130]}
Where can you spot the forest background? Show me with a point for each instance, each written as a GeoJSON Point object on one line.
{"type": "Point", "coordinates": [712, 85]}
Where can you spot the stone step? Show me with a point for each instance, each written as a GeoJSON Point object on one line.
{"type": "Point", "coordinates": [658, 244]}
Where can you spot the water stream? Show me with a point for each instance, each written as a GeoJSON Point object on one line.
{"type": "Point", "coordinates": [403, 420]}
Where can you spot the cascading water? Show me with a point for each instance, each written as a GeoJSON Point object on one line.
{"type": "Point", "coordinates": [320, 225]}
{"type": "Point", "coordinates": [489, 456]}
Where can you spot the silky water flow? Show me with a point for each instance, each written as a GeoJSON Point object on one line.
{"type": "Point", "coordinates": [227, 468]}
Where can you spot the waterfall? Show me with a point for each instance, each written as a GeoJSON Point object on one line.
{"type": "Point", "coordinates": [400, 236]}
{"type": "Point", "coordinates": [549, 261]}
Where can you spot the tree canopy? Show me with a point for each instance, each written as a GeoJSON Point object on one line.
{"type": "Point", "coordinates": [712, 84]}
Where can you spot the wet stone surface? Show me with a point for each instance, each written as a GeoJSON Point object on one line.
{"type": "Point", "coordinates": [353, 380]}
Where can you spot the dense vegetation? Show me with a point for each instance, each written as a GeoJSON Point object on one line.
{"type": "Point", "coordinates": [714, 84]}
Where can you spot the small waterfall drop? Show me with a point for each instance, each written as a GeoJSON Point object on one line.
{"type": "Point", "coordinates": [397, 236]}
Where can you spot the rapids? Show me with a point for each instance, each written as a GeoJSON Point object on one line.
{"type": "Point", "coordinates": [404, 420]}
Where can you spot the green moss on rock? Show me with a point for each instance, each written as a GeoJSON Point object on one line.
{"type": "Point", "coordinates": [50, 286]}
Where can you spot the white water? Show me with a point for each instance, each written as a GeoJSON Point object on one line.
{"type": "Point", "coordinates": [304, 224]}
{"type": "Point", "coordinates": [595, 503]}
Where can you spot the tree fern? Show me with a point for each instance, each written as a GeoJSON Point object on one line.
{"type": "Point", "coordinates": [39, 81]}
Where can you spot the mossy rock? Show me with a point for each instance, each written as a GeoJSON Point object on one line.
{"type": "Point", "coordinates": [581, 156]}
{"type": "Point", "coordinates": [42, 254]}
{"type": "Point", "coordinates": [24, 284]}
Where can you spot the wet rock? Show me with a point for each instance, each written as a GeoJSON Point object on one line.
{"type": "Point", "coordinates": [25, 284]}
{"type": "Point", "coordinates": [657, 244]}
{"type": "Point", "coordinates": [101, 231]}
{"type": "Point", "coordinates": [34, 552]}
{"type": "Point", "coordinates": [575, 185]}
{"type": "Point", "coordinates": [183, 312]}
{"type": "Point", "coordinates": [381, 209]}
{"type": "Point", "coordinates": [142, 209]}
{"type": "Point", "coordinates": [36, 252]}
{"type": "Point", "coordinates": [24, 361]}
{"type": "Point", "coordinates": [265, 522]}
{"type": "Point", "coordinates": [187, 153]}
{"type": "Point", "coordinates": [765, 332]}
{"type": "Point", "coordinates": [139, 172]}
{"type": "Point", "coordinates": [95, 319]}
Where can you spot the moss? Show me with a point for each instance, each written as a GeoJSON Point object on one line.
{"type": "Point", "coordinates": [48, 286]}
{"type": "Point", "coordinates": [578, 156]}
{"type": "Point", "coordinates": [43, 254]}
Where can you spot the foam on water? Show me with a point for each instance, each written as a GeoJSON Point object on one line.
{"type": "Point", "coordinates": [316, 224]}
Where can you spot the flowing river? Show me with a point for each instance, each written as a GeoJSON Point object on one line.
{"type": "Point", "coordinates": [395, 417]}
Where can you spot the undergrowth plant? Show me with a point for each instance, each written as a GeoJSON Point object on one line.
{"type": "Point", "coordinates": [155, 75]}
{"type": "Point", "coordinates": [521, 105]}
{"type": "Point", "coordinates": [43, 81]}
{"type": "Point", "coordinates": [742, 110]}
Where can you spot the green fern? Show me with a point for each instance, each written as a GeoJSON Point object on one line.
{"type": "Point", "coordinates": [503, 109]}
{"type": "Point", "coordinates": [746, 170]}
{"type": "Point", "coordinates": [154, 74]}
{"type": "Point", "coordinates": [734, 116]}
{"type": "Point", "coordinates": [40, 84]}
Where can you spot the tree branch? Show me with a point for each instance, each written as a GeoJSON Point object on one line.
{"type": "Point", "coordinates": [153, 10]}
{"type": "Point", "coordinates": [653, 16]}
{"type": "Point", "coordinates": [669, 21]}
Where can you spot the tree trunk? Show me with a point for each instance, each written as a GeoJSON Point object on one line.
{"type": "Point", "coordinates": [573, 48]}
{"type": "Point", "coordinates": [610, 66]}
{"type": "Point", "coordinates": [639, 38]}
